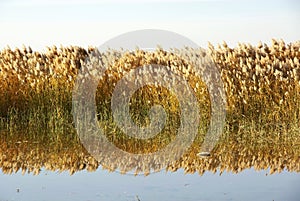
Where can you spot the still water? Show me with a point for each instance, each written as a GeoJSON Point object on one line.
{"type": "Point", "coordinates": [174, 186]}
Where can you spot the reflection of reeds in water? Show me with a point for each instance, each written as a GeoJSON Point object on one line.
{"type": "Point", "coordinates": [231, 155]}
{"type": "Point", "coordinates": [262, 127]}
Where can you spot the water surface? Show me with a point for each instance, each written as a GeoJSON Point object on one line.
{"type": "Point", "coordinates": [168, 186]}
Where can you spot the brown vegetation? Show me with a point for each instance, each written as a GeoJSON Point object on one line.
{"type": "Point", "coordinates": [262, 85]}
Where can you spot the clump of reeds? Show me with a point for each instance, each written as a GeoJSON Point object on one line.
{"type": "Point", "coordinates": [262, 85]}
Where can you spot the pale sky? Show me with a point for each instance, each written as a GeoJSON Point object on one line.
{"type": "Point", "coordinates": [39, 23]}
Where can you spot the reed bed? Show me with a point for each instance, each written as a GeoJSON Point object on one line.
{"type": "Point", "coordinates": [262, 85]}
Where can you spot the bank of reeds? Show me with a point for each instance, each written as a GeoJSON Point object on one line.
{"type": "Point", "coordinates": [262, 85]}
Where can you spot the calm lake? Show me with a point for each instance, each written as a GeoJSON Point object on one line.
{"type": "Point", "coordinates": [102, 185]}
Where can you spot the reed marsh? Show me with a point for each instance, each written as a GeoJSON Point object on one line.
{"type": "Point", "coordinates": [262, 130]}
